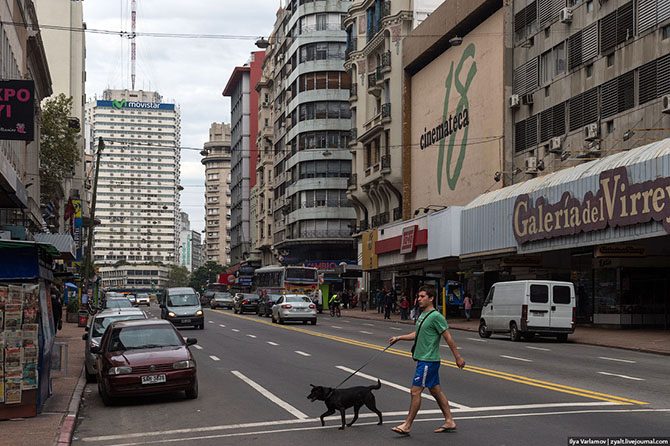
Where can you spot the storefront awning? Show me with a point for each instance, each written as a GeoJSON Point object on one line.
{"type": "Point", "coordinates": [64, 243]}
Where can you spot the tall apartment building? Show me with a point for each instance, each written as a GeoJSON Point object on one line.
{"type": "Point", "coordinates": [197, 251]}
{"type": "Point", "coordinates": [312, 122]}
{"type": "Point", "coordinates": [244, 123]}
{"type": "Point", "coordinates": [590, 79]}
{"type": "Point", "coordinates": [216, 159]}
{"type": "Point", "coordinates": [137, 196]}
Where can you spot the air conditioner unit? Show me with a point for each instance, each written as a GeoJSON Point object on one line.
{"type": "Point", "coordinates": [591, 132]}
{"type": "Point", "coordinates": [527, 99]}
{"type": "Point", "coordinates": [556, 145]}
{"type": "Point", "coordinates": [566, 15]}
{"type": "Point", "coordinates": [531, 164]}
{"type": "Point", "coordinates": [514, 101]}
{"type": "Point", "coordinates": [666, 104]}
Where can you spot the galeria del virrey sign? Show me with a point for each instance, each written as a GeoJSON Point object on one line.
{"type": "Point", "coordinates": [616, 203]}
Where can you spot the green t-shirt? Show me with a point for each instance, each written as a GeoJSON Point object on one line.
{"type": "Point", "coordinates": [428, 342]}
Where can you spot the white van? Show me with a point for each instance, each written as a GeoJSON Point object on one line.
{"type": "Point", "coordinates": [528, 308]}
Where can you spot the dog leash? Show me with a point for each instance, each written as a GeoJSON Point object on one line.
{"type": "Point", "coordinates": [359, 369]}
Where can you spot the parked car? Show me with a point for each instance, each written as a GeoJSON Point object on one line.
{"type": "Point", "coordinates": [131, 298]}
{"type": "Point", "coordinates": [265, 304]}
{"type": "Point", "coordinates": [221, 300]}
{"type": "Point", "coordinates": [143, 299]}
{"type": "Point", "coordinates": [117, 302]}
{"type": "Point", "coordinates": [525, 308]}
{"type": "Point", "coordinates": [294, 307]}
{"type": "Point", "coordinates": [206, 297]}
{"type": "Point", "coordinates": [144, 357]}
{"type": "Point", "coordinates": [96, 328]}
{"type": "Point", "coordinates": [245, 303]}
{"type": "Point", "coordinates": [182, 307]}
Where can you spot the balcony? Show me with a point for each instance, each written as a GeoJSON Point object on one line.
{"type": "Point", "coordinates": [397, 214]}
{"type": "Point", "coordinates": [373, 88]}
{"type": "Point", "coordinates": [352, 181]}
{"type": "Point", "coordinates": [353, 93]}
{"type": "Point", "coordinates": [386, 62]}
{"type": "Point", "coordinates": [386, 113]}
{"type": "Point", "coordinates": [380, 220]}
{"type": "Point", "coordinates": [353, 135]}
{"type": "Point", "coordinates": [386, 163]}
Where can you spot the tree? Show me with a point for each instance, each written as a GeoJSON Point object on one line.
{"type": "Point", "coordinates": [177, 276]}
{"type": "Point", "coordinates": [58, 145]}
{"type": "Point", "coordinates": [208, 273]}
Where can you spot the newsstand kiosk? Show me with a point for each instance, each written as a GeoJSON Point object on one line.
{"type": "Point", "coordinates": [26, 327]}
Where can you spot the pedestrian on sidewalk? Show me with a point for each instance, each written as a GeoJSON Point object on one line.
{"type": "Point", "coordinates": [404, 308]}
{"type": "Point", "coordinates": [467, 306]}
{"type": "Point", "coordinates": [431, 326]}
{"type": "Point", "coordinates": [416, 309]}
{"type": "Point", "coordinates": [379, 300]}
{"type": "Point", "coordinates": [388, 305]}
{"type": "Point", "coordinates": [364, 300]}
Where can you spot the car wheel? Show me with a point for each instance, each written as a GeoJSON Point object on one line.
{"type": "Point", "coordinates": [313, 321]}
{"type": "Point", "coordinates": [235, 310]}
{"type": "Point", "coordinates": [192, 391]}
{"type": "Point", "coordinates": [202, 326]}
{"type": "Point", "coordinates": [563, 337]}
{"type": "Point", "coordinates": [281, 320]}
{"type": "Point", "coordinates": [274, 321]}
{"type": "Point", "coordinates": [104, 395]}
{"type": "Point", "coordinates": [483, 332]}
{"type": "Point", "coordinates": [90, 377]}
{"type": "Point", "coordinates": [304, 322]}
{"type": "Point", "coordinates": [514, 333]}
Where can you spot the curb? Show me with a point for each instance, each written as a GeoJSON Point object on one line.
{"type": "Point", "coordinates": [68, 423]}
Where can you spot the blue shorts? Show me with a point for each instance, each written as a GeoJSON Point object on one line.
{"type": "Point", "coordinates": [427, 374]}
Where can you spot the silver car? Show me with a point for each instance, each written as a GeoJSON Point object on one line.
{"type": "Point", "coordinates": [96, 328]}
{"type": "Point", "coordinates": [142, 299]}
{"type": "Point", "coordinates": [294, 307]}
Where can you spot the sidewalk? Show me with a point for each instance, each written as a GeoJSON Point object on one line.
{"type": "Point", "coordinates": [645, 340]}
{"type": "Point", "coordinates": [59, 411]}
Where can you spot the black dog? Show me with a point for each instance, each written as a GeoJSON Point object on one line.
{"type": "Point", "coordinates": [342, 399]}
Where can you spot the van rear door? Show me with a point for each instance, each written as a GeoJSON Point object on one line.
{"type": "Point", "coordinates": [538, 305]}
{"type": "Point", "coordinates": [562, 302]}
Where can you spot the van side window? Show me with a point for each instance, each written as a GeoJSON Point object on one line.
{"type": "Point", "coordinates": [561, 294]}
{"type": "Point", "coordinates": [539, 294]}
{"type": "Point", "coordinates": [489, 297]}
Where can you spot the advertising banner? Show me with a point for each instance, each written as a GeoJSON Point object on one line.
{"type": "Point", "coordinates": [17, 110]}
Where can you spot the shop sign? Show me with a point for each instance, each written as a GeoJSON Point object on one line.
{"type": "Point", "coordinates": [534, 260]}
{"type": "Point", "coordinates": [17, 110]}
{"type": "Point", "coordinates": [619, 251]}
{"type": "Point", "coordinates": [408, 241]}
{"type": "Point", "coordinates": [123, 103]}
{"type": "Point", "coordinates": [616, 203]}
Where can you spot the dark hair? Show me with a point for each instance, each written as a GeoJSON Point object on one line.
{"type": "Point", "coordinates": [429, 290]}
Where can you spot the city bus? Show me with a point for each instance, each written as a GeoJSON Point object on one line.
{"type": "Point", "coordinates": [286, 279]}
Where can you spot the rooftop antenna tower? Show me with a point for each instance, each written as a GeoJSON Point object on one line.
{"type": "Point", "coordinates": [133, 35]}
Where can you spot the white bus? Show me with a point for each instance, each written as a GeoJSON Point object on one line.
{"type": "Point", "coordinates": [286, 279]}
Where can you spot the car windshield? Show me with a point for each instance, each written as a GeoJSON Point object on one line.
{"type": "Point", "coordinates": [118, 303]}
{"type": "Point", "coordinates": [183, 300]}
{"type": "Point", "coordinates": [222, 296]}
{"type": "Point", "coordinates": [249, 296]}
{"type": "Point", "coordinates": [101, 323]}
{"type": "Point", "coordinates": [135, 338]}
{"type": "Point", "coordinates": [298, 299]}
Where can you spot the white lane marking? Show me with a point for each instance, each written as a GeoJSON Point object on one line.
{"type": "Point", "coordinates": [622, 376]}
{"type": "Point", "coordinates": [362, 415]}
{"type": "Point", "coordinates": [370, 325]}
{"type": "Point", "coordinates": [214, 358]}
{"type": "Point", "coordinates": [251, 336]}
{"type": "Point", "coordinates": [396, 328]}
{"type": "Point", "coordinates": [395, 386]}
{"type": "Point", "coordinates": [302, 353]}
{"type": "Point", "coordinates": [347, 322]}
{"type": "Point", "coordinates": [271, 396]}
{"type": "Point", "coordinates": [272, 343]}
{"type": "Point", "coordinates": [211, 322]}
{"type": "Point", "coordinates": [365, 332]}
{"type": "Point", "coordinates": [222, 326]}
{"type": "Point", "coordinates": [618, 360]}
{"type": "Point", "coordinates": [335, 326]}
{"type": "Point", "coordinates": [515, 358]}
{"type": "Point", "coordinates": [197, 346]}
{"type": "Point", "coordinates": [477, 340]}
{"type": "Point", "coordinates": [236, 330]}
{"type": "Point", "coordinates": [538, 348]}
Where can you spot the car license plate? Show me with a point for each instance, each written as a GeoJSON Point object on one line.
{"type": "Point", "coordinates": [186, 321]}
{"type": "Point", "coordinates": [153, 379]}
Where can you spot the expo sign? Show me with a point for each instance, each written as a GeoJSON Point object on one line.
{"type": "Point", "coordinates": [17, 110]}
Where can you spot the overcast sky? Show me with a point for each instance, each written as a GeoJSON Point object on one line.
{"type": "Point", "coordinates": [191, 72]}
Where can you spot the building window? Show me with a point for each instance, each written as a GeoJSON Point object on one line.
{"type": "Point", "coordinates": [610, 60]}
{"type": "Point", "coordinates": [589, 70]}
{"type": "Point", "coordinates": [546, 91]}
{"type": "Point", "coordinates": [665, 32]}
{"type": "Point", "coordinates": [589, 6]}
{"type": "Point", "coordinates": [610, 126]}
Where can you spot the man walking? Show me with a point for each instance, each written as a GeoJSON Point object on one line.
{"type": "Point", "coordinates": [431, 326]}
{"type": "Point", "coordinates": [467, 306]}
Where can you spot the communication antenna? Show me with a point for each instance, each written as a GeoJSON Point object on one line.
{"type": "Point", "coordinates": [133, 35]}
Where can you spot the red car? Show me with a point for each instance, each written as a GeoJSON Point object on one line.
{"type": "Point", "coordinates": [144, 357]}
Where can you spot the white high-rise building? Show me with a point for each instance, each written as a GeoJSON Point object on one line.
{"type": "Point", "coordinates": [137, 196]}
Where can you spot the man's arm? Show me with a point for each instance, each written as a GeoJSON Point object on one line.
{"type": "Point", "coordinates": [405, 337]}
{"type": "Point", "coordinates": [460, 362]}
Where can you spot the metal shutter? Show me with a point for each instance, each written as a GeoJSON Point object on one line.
{"type": "Point", "coordinates": [532, 75]}
{"type": "Point", "coordinates": [608, 32]}
{"type": "Point", "coordinates": [544, 8]}
{"type": "Point", "coordinates": [626, 91]}
{"type": "Point", "coordinates": [531, 131]}
{"type": "Point", "coordinates": [575, 108]}
{"type": "Point", "coordinates": [558, 117]}
{"type": "Point", "coordinates": [624, 23]}
{"type": "Point", "coordinates": [590, 42]}
{"type": "Point", "coordinates": [647, 88]}
{"type": "Point", "coordinates": [609, 98]}
{"type": "Point", "coordinates": [663, 76]}
{"type": "Point", "coordinates": [590, 110]}
{"type": "Point", "coordinates": [546, 126]}
{"type": "Point", "coordinates": [663, 10]}
{"type": "Point", "coordinates": [531, 13]}
{"type": "Point", "coordinates": [646, 14]}
{"type": "Point", "coordinates": [520, 136]}
{"type": "Point", "coordinates": [575, 50]}
{"type": "Point", "coordinates": [557, 6]}
{"type": "Point", "coordinates": [520, 21]}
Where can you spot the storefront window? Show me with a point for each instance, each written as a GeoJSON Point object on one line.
{"type": "Point", "coordinates": [606, 291]}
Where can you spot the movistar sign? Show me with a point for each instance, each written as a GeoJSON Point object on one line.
{"type": "Point", "coordinates": [123, 103]}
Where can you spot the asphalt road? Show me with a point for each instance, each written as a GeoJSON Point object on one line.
{"type": "Point", "coordinates": [254, 378]}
